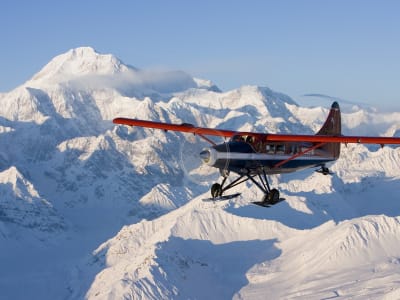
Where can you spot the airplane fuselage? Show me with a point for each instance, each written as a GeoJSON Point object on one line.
{"type": "Point", "coordinates": [248, 154]}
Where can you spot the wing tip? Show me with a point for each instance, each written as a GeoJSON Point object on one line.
{"type": "Point", "coordinates": [116, 120]}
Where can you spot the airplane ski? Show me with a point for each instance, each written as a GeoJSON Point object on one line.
{"type": "Point", "coordinates": [266, 204]}
{"type": "Point", "coordinates": [222, 198]}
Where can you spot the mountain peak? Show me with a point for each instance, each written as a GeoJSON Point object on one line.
{"type": "Point", "coordinates": [19, 184]}
{"type": "Point", "coordinates": [79, 62]}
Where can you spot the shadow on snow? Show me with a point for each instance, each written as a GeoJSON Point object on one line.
{"type": "Point", "coordinates": [371, 196]}
{"type": "Point", "coordinates": [201, 269]}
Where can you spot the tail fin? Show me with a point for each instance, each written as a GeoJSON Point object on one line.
{"type": "Point", "coordinates": [333, 127]}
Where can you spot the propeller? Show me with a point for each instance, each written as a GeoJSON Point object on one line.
{"type": "Point", "coordinates": [196, 157]}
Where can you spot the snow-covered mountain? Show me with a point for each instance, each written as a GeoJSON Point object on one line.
{"type": "Point", "coordinates": [90, 209]}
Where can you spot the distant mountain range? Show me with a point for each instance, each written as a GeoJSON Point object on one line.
{"type": "Point", "coordinates": [90, 209]}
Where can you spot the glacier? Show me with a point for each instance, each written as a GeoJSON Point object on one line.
{"type": "Point", "coordinates": [93, 210]}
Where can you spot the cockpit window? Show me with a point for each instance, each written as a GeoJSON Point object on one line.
{"type": "Point", "coordinates": [249, 139]}
{"type": "Point", "coordinates": [237, 138]}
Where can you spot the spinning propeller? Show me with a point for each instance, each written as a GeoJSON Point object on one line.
{"type": "Point", "coordinates": [195, 153]}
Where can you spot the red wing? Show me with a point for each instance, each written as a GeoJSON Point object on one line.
{"type": "Point", "coordinates": [175, 127]}
{"type": "Point", "coordinates": [332, 139]}
{"type": "Point", "coordinates": [267, 137]}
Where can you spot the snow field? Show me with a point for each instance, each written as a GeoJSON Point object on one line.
{"type": "Point", "coordinates": [93, 210]}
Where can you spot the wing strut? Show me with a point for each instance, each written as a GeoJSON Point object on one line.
{"type": "Point", "coordinates": [206, 139]}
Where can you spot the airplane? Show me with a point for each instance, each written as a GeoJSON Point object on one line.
{"type": "Point", "coordinates": [252, 155]}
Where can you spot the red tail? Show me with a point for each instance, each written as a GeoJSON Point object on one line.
{"type": "Point", "coordinates": [332, 127]}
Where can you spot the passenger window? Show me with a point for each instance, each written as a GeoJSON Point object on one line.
{"type": "Point", "coordinates": [280, 149]}
{"type": "Point", "coordinates": [270, 149]}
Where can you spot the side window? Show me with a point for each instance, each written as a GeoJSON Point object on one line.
{"type": "Point", "coordinates": [270, 149]}
{"type": "Point", "coordinates": [294, 149]}
{"type": "Point", "coordinates": [280, 149]}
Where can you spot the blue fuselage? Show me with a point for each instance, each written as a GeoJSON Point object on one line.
{"type": "Point", "coordinates": [249, 158]}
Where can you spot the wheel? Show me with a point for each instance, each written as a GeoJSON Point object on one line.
{"type": "Point", "coordinates": [216, 190]}
{"type": "Point", "coordinates": [273, 196]}
{"type": "Point", "coordinates": [325, 171]}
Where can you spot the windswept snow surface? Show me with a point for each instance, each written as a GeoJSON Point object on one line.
{"type": "Point", "coordinates": [93, 210]}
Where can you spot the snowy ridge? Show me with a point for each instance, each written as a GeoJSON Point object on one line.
{"type": "Point", "coordinates": [21, 205]}
{"type": "Point", "coordinates": [342, 261]}
{"type": "Point", "coordinates": [80, 184]}
{"type": "Point", "coordinates": [207, 253]}
{"type": "Point", "coordinates": [160, 253]}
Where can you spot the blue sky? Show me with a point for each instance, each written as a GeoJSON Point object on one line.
{"type": "Point", "coordinates": [346, 49]}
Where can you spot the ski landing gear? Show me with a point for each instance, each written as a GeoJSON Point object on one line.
{"type": "Point", "coordinates": [217, 189]}
{"type": "Point", "coordinates": [324, 170]}
{"type": "Point", "coordinates": [271, 196]}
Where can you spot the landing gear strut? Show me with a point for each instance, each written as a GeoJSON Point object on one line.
{"type": "Point", "coordinates": [271, 196]}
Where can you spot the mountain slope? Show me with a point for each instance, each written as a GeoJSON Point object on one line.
{"type": "Point", "coordinates": [72, 182]}
{"type": "Point", "coordinates": [21, 205]}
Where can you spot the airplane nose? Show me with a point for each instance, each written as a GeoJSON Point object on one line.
{"type": "Point", "coordinates": [209, 156]}
{"type": "Point", "coordinates": [205, 155]}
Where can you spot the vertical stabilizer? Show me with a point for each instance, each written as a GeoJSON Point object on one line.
{"type": "Point", "coordinates": [332, 127]}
